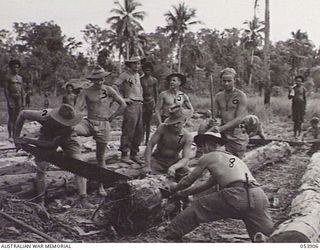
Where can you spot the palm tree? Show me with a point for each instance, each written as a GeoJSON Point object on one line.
{"type": "Point", "coordinates": [252, 38]}
{"type": "Point", "coordinates": [300, 47]}
{"type": "Point", "coordinates": [126, 22]}
{"type": "Point", "coordinates": [177, 25]}
{"type": "Point", "coordinates": [267, 92]}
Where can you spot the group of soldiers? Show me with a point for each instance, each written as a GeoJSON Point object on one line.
{"type": "Point", "coordinates": [221, 142]}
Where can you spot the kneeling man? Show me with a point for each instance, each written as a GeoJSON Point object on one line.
{"type": "Point", "coordinates": [240, 196]}
{"type": "Point", "coordinates": [171, 138]}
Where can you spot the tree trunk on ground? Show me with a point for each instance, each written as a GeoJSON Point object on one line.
{"type": "Point", "coordinates": [303, 224]}
{"type": "Point", "coordinates": [270, 153]}
{"type": "Point", "coordinates": [134, 206]}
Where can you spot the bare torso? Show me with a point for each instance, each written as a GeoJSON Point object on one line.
{"type": "Point", "coordinates": [69, 99]}
{"type": "Point", "coordinates": [14, 85]}
{"type": "Point", "coordinates": [98, 102]}
{"type": "Point", "coordinates": [169, 99]}
{"type": "Point", "coordinates": [149, 86]}
{"type": "Point", "coordinates": [226, 168]}
{"type": "Point", "coordinates": [170, 144]}
{"type": "Point", "coordinates": [228, 103]}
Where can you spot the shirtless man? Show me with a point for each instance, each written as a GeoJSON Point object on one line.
{"type": "Point", "coordinates": [69, 98]}
{"type": "Point", "coordinates": [150, 96]}
{"type": "Point", "coordinates": [299, 102]}
{"type": "Point", "coordinates": [240, 196]}
{"type": "Point", "coordinates": [57, 130]}
{"type": "Point", "coordinates": [231, 104]}
{"type": "Point", "coordinates": [130, 87]}
{"type": "Point", "coordinates": [13, 91]}
{"type": "Point", "coordinates": [98, 99]}
{"type": "Point", "coordinates": [171, 138]}
{"type": "Point", "coordinates": [173, 96]}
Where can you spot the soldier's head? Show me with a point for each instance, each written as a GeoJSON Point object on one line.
{"type": "Point", "coordinates": [177, 118]}
{"type": "Point", "coordinates": [134, 63]}
{"type": "Point", "coordinates": [97, 75]}
{"type": "Point", "coordinates": [209, 142]}
{"type": "Point", "coordinates": [176, 80]}
{"type": "Point", "coordinates": [298, 80]}
{"type": "Point", "coordinates": [147, 68]}
{"type": "Point", "coordinates": [69, 88]}
{"type": "Point", "coordinates": [14, 66]}
{"type": "Point", "coordinates": [314, 122]}
{"type": "Point", "coordinates": [227, 76]}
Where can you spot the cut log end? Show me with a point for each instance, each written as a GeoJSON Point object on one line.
{"type": "Point", "coordinates": [289, 237]}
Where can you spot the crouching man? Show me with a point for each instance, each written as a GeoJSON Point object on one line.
{"type": "Point", "coordinates": [57, 130]}
{"type": "Point", "coordinates": [240, 196]}
{"type": "Point", "coordinates": [171, 138]}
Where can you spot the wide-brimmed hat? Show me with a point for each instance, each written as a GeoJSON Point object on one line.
{"type": "Point", "coordinates": [177, 114]}
{"type": "Point", "coordinates": [216, 137]}
{"type": "Point", "coordinates": [133, 59]}
{"type": "Point", "coordinates": [182, 77]}
{"type": "Point", "coordinates": [66, 115]}
{"type": "Point", "coordinates": [98, 73]}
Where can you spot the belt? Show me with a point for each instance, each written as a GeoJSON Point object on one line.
{"type": "Point", "coordinates": [136, 100]}
{"type": "Point", "coordinates": [242, 184]}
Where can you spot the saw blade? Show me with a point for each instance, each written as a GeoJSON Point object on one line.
{"type": "Point", "coordinates": [78, 167]}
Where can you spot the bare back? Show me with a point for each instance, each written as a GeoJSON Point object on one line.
{"type": "Point", "coordinates": [225, 168]}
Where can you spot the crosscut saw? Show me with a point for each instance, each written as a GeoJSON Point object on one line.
{"type": "Point", "coordinates": [85, 169]}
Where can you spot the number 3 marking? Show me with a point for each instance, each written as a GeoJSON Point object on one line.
{"type": "Point", "coordinates": [105, 95]}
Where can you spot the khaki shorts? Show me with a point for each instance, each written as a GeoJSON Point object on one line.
{"type": "Point", "coordinates": [240, 139]}
{"type": "Point", "coordinates": [98, 129]}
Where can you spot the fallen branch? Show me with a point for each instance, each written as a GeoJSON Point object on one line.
{"type": "Point", "coordinates": [34, 230]}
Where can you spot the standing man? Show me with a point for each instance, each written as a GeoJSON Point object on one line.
{"type": "Point", "coordinates": [299, 102]}
{"type": "Point", "coordinates": [173, 96]}
{"type": "Point", "coordinates": [150, 96]}
{"type": "Point", "coordinates": [240, 196]}
{"type": "Point", "coordinates": [130, 87]}
{"type": "Point", "coordinates": [13, 91]}
{"type": "Point", "coordinates": [171, 138]}
{"type": "Point", "coordinates": [57, 130]}
{"type": "Point", "coordinates": [98, 99]}
{"type": "Point", "coordinates": [69, 97]}
{"type": "Point", "coordinates": [231, 104]}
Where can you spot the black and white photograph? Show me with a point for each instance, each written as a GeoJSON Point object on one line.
{"type": "Point", "coordinates": [172, 121]}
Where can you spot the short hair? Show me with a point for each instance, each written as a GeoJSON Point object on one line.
{"type": "Point", "coordinates": [299, 76]}
{"type": "Point", "coordinates": [147, 65]}
{"type": "Point", "coordinates": [14, 62]}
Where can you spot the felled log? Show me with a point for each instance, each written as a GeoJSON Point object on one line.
{"type": "Point", "coordinates": [261, 142]}
{"type": "Point", "coordinates": [270, 153]}
{"type": "Point", "coordinates": [303, 224]}
{"type": "Point", "coordinates": [136, 205]}
{"type": "Point", "coordinates": [59, 183]}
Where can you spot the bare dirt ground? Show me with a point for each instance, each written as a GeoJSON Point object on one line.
{"type": "Point", "coordinates": [67, 223]}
